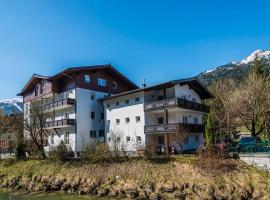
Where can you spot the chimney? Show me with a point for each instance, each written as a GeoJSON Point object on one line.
{"type": "Point", "coordinates": [143, 83]}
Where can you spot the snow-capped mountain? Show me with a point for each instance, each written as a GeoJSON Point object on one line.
{"type": "Point", "coordinates": [236, 69]}
{"type": "Point", "coordinates": [261, 54]}
{"type": "Point", "coordinates": [11, 106]}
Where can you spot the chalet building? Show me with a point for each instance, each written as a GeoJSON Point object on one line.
{"type": "Point", "coordinates": [72, 99]}
{"type": "Point", "coordinates": [99, 103]}
{"type": "Point", "coordinates": [166, 117]}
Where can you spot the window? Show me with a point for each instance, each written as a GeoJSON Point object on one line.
{"type": "Point", "coordinates": [108, 105]}
{"type": "Point", "coordinates": [160, 120]}
{"type": "Point", "coordinates": [114, 85]}
{"type": "Point", "coordinates": [138, 119]}
{"type": "Point", "coordinates": [109, 139]}
{"type": "Point", "coordinates": [127, 120]}
{"type": "Point", "coordinates": [41, 88]}
{"type": "Point", "coordinates": [93, 115]}
{"type": "Point", "coordinates": [137, 99]}
{"type": "Point", "coordinates": [138, 139]}
{"type": "Point", "coordinates": [118, 139]}
{"type": "Point", "coordinates": [197, 138]}
{"type": "Point", "coordinates": [87, 78]}
{"type": "Point", "coordinates": [185, 119]}
{"type": "Point", "coordinates": [101, 133]}
{"type": "Point", "coordinates": [117, 121]}
{"type": "Point", "coordinates": [161, 140]}
{"type": "Point", "coordinates": [128, 139]}
{"type": "Point", "coordinates": [93, 134]}
{"type": "Point", "coordinates": [52, 139]}
{"type": "Point", "coordinates": [195, 119]}
{"type": "Point", "coordinates": [101, 116]}
{"type": "Point", "coordinates": [127, 101]}
{"type": "Point", "coordinates": [102, 82]}
{"type": "Point", "coordinates": [108, 122]}
{"type": "Point", "coordinates": [66, 138]}
{"type": "Point", "coordinates": [36, 90]}
{"type": "Point", "coordinates": [193, 100]}
{"type": "Point", "coordinates": [186, 140]}
{"type": "Point", "coordinates": [92, 96]}
{"type": "Point", "coordinates": [117, 103]}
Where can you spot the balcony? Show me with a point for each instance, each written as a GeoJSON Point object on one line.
{"type": "Point", "coordinates": [60, 123]}
{"type": "Point", "coordinates": [176, 102]}
{"type": "Point", "coordinates": [57, 105]}
{"type": "Point", "coordinates": [173, 128]}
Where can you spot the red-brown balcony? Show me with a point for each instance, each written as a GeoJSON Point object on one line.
{"type": "Point", "coordinates": [176, 102]}
{"type": "Point", "coordinates": [173, 128]}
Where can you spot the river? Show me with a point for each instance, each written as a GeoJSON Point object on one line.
{"type": "Point", "coordinates": [4, 195]}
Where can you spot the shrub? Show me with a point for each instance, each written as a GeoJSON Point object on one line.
{"type": "Point", "coordinates": [97, 152]}
{"type": "Point", "coordinates": [20, 151]}
{"type": "Point", "coordinates": [61, 152]}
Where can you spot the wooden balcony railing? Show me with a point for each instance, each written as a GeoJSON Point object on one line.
{"type": "Point", "coordinates": [179, 102]}
{"type": "Point", "coordinates": [174, 128]}
{"type": "Point", "coordinates": [60, 123]}
{"type": "Point", "coordinates": [58, 104]}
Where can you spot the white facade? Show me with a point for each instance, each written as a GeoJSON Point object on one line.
{"type": "Point", "coordinates": [76, 136]}
{"type": "Point", "coordinates": [118, 108]}
{"type": "Point", "coordinates": [125, 120]}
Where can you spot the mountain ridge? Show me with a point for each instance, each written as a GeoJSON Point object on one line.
{"type": "Point", "coordinates": [236, 70]}
{"type": "Point", "coordinates": [11, 106]}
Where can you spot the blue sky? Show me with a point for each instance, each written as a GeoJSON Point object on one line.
{"type": "Point", "coordinates": [151, 39]}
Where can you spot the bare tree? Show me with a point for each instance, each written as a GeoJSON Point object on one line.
{"type": "Point", "coordinates": [34, 125]}
{"type": "Point", "coordinates": [222, 108]}
{"type": "Point", "coordinates": [251, 103]}
{"type": "Point", "coordinates": [115, 142]}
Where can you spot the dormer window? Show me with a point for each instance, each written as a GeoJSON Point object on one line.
{"type": "Point", "coordinates": [102, 82]}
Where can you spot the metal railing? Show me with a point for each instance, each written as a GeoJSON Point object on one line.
{"type": "Point", "coordinates": [182, 103]}
{"type": "Point", "coordinates": [175, 127]}
{"type": "Point", "coordinates": [58, 104]}
{"type": "Point", "coordinates": [60, 123]}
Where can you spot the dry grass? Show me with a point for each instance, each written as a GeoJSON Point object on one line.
{"type": "Point", "coordinates": [176, 178]}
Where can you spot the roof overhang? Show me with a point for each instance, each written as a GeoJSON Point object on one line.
{"type": "Point", "coordinates": [193, 83]}
{"type": "Point", "coordinates": [35, 78]}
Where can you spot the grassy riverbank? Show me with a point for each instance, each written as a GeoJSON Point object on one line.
{"type": "Point", "coordinates": [180, 177]}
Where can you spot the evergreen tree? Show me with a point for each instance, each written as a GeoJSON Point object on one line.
{"type": "Point", "coordinates": [259, 66]}
{"type": "Point", "coordinates": [209, 131]}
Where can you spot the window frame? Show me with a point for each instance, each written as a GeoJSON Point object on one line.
{"type": "Point", "coordinates": [128, 139]}
{"type": "Point", "coordinates": [114, 85]}
{"type": "Point", "coordinates": [93, 134]}
{"type": "Point", "coordinates": [87, 78]}
{"type": "Point", "coordinates": [93, 115]}
{"type": "Point", "coordinates": [101, 135]}
{"type": "Point", "coordinates": [138, 139]}
{"type": "Point", "coordinates": [102, 82]}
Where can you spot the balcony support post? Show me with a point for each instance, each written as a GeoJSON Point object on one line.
{"type": "Point", "coordinates": [166, 143]}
